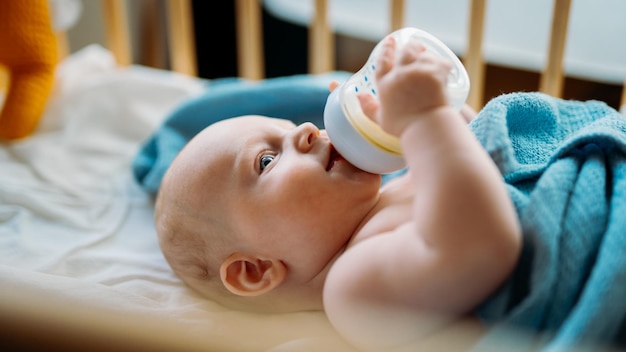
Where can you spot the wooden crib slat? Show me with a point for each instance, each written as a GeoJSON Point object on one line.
{"type": "Point", "coordinates": [474, 62]}
{"type": "Point", "coordinates": [181, 37]}
{"type": "Point", "coordinates": [250, 60]}
{"type": "Point", "coordinates": [321, 40]}
{"type": "Point", "coordinates": [116, 29]}
{"type": "Point", "coordinates": [623, 100]}
{"type": "Point", "coordinates": [552, 77]}
{"type": "Point", "coordinates": [153, 38]}
{"type": "Point", "coordinates": [397, 14]}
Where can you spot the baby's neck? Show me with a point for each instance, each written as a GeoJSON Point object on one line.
{"type": "Point", "coordinates": [392, 209]}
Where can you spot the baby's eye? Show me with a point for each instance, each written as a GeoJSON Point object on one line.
{"type": "Point", "coordinates": [265, 160]}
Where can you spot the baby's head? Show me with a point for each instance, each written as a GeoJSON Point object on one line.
{"type": "Point", "coordinates": [254, 210]}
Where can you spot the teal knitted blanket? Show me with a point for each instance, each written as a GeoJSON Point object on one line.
{"type": "Point", "coordinates": [564, 163]}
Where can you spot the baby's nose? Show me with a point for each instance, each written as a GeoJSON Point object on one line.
{"type": "Point", "coordinates": [306, 134]}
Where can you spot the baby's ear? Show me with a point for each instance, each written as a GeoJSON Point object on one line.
{"type": "Point", "coordinates": [247, 275]}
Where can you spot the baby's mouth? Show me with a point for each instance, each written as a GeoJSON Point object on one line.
{"type": "Point", "coordinates": [333, 157]}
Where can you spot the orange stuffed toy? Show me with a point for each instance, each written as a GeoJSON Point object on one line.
{"type": "Point", "coordinates": [28, 56]}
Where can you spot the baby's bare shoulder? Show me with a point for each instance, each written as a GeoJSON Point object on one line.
{"type": "Point", "coordinates": [392, 210]}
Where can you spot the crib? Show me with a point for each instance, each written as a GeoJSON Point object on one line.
{"type": "Point", "coordinates": [81, 268]}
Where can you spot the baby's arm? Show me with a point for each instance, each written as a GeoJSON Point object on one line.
{"type": "Point", "coordinates": [463, 238]}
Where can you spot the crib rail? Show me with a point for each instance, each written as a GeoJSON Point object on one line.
{"type": "Point", "coordinates": [182, 51]}
{"type": "Point", "coordinates": [181, 37]}
{"type": "Point", "coordinates": [321, 41]}
{"type": "Point", "coordinates": [552, 77]}
{"type": "Point", "coordinates": [116, 28]}
{"type": "Point", "coordinates": [474, 63]}
{"type": "Point", "coordinates": [250, 58]}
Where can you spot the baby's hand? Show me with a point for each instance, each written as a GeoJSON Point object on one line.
{"type": "Point", "coordinates": [369, 104]}
{"type": "Point", "coordinates": [410, 83]}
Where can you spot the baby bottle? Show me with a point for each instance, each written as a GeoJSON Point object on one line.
{"type": "Point", "coordinates": [360, 140]}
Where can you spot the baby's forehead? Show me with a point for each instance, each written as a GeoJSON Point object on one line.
{"type": "Point", "coordinates": [205, 168]}
{"type": "Point", "coordinates": [230, 135]}
{"type": "Point", "coordinates": [239, 129]}
{"type": "Point", "coordinates": [253, 121]}
{"type": "Point", "coordinates": [208, 161]}
{"type": "Point", "coordinates": [225, 138]}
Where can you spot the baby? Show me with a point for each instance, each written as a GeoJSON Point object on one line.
{"type": "Point", "coordinates": [260, 214]}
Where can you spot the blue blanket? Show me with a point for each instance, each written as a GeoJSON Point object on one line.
{"type": "Point", "coordinates": [564, 163]}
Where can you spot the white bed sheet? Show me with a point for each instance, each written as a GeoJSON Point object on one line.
{"type": "Point", "coordinates": [76, 231]}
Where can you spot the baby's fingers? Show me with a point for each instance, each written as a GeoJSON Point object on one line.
{"type": "Point", "coordinates": [369, 105]}
{"type": "Point", "coordinates": [411, 52]}
{"type": "Point", "coordinates": [333, 84]}
{"type": "Point", "coordinates": [386, 57]}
